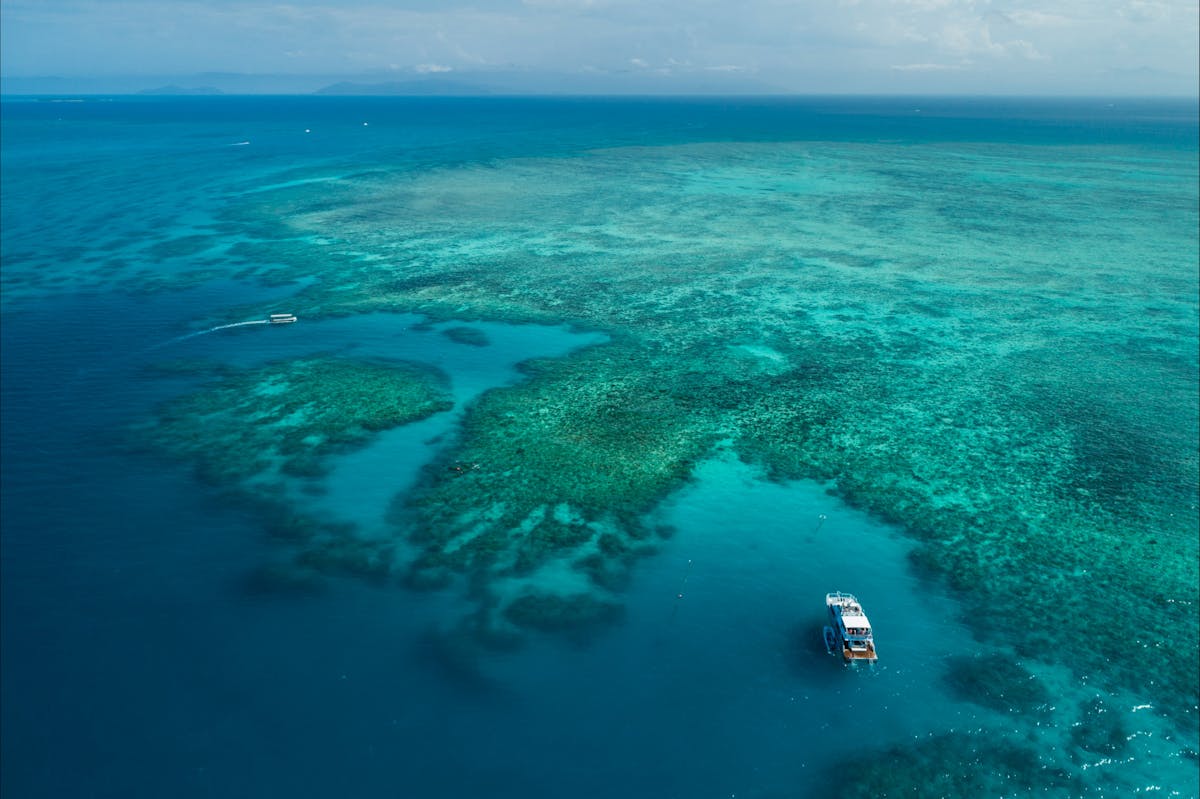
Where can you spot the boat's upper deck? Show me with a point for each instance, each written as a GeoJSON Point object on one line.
{"type": "Point", "coordinates": [848, 614]}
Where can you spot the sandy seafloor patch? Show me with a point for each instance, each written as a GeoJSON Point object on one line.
{"type": "Point", "coordinates": [610, 394]}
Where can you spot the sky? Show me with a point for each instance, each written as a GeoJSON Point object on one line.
{"type": "Point", "coordinates": [1139, 47]}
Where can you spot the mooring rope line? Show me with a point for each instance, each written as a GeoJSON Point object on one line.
{"type": "Point", "coordinates": [679, 593]}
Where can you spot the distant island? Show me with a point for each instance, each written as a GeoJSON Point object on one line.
{"type": "Point", "coordinates": [407, 88]}
{"type": "Point", "coordinates": [474, 83]}
{"type": "Point", "coordinates": [174, 90]}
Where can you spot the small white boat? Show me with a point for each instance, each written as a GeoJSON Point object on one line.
{"type": "Point", "coordinates": [282, 318]}
{"type": "Point", "coordinates": [849, 632]}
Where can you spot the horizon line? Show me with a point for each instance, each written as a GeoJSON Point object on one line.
{"type": "Point", "coordinates": [153, 94]}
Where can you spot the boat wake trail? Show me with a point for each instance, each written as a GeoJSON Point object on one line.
{"type": "Point", "coordinates": [187, 336]}
{"type": "Point", "coordinates": [124, 360]}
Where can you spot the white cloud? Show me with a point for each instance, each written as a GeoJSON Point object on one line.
{"type": "Point", "coordinates": [1037, 19]}
{"type": "Point", "coordinates": [560, 4]}
{"type": "Point", "coordinates": [425, 69]}
{"type": "Point", "coordinates": [928, 67]}
{"type": "Point", "coordinates": [1024, 49]}
{"type": "Point", "coordinates": [927, 5]}
{"type": "Point", "coordinates": [797, 44]}
{"type": "Point", "coordinates": [1148, 10]}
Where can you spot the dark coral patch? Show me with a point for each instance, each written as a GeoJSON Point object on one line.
{"type": "Point", "coordinates": [949, 765]}
{"type": "Point", "coordinates": [472, 336]}
{"type": "Point", "coordinates": [555, 614]}
{"type": "Point", "coordinates": [996, 681]}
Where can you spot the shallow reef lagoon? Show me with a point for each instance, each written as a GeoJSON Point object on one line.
{"type": "Point", "coordinates": [588, 405]}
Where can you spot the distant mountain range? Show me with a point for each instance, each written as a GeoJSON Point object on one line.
{"type": "Point", "coordinates": [460, 84]}
{"type": "Point", "coordinates": [521, 82]}
{"type": "Point", "coordinates": [633, 81]}
{"type": "Point", "coordinates": [176, 91]}
{"type": "Point", "coordinates": [407, 88]}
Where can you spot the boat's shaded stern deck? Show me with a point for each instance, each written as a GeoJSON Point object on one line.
{"type": "Point", "coordinates": [867, 654]}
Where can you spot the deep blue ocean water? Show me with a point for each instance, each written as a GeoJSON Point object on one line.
{"type": "Point", "coordinates": [138, 661]}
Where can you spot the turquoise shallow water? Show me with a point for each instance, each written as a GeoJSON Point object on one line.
{"type": "Point", "coordinates": [589, 404]}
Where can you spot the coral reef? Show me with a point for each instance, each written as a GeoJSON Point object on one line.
{"type": "Point", "coordinates": [467, 335]}
{"type": "Point", "coordinates": [990, 346]}
{"type": "Point", "coordinates": [556, 473]}
{"type": "Point", "coordinates": [257, 425]}
{"type": "Point", "coordinates": [1100, 730]}
{"type": "Point", "coordinates": [996, 681]}
{"type": "Point", "coordinates": [282, 579]}
{"type": "Point", "coordinates": [1013, 395]}
{"type": "Point", "coordinates": [952, 764]}
{"type": "Point", "coordinates": [256, 433]}
{"type": "Point", "coordinates": [554, 613]}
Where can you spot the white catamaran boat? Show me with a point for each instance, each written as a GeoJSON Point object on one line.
{"type": "Point", "coordinates": [282, 318]}
{"type": "Point", "coordinates": [849, 632]}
